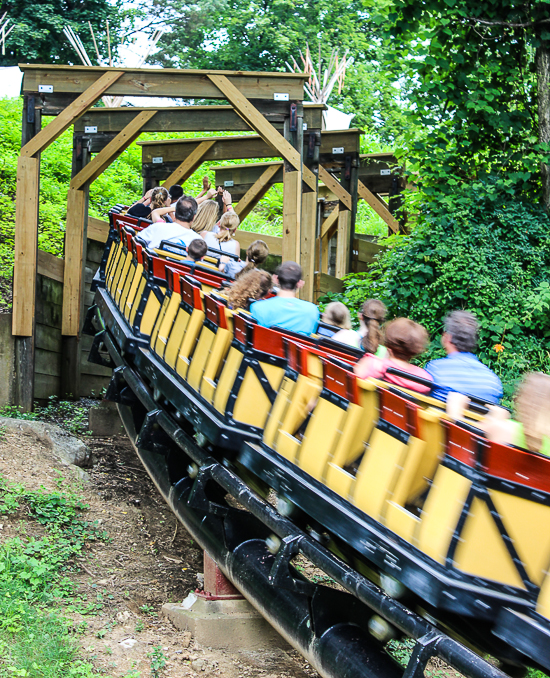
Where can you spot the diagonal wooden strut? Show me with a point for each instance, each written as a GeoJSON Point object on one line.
{"type": "Point", "coordinates": [256, 192]}
{"type": "Point", "coordinates": [66, 118]}
{"type": "Point", "coordinates": [264, 128]}
{"type": "Point", "coordinates": [113, 149]}
{"type": "Point", "coordinates": [380, 209]}
{"type": "Point", "coordinates": [335, 186]}
{"type": "Point", "coordinates": [193, 161]}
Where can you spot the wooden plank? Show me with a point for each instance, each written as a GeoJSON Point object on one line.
{"type": "Point", "coordinates": [365, 250]}
{"type": "Point", "coordinates": [246, 238]}
{"type": "Point", "coordinates": [47, 362]}
{"type": "Point", "coordinates": [65, 119]}
{"type": "Point", "coordinates": [247, 203]}
{"type": "Point", "coordinates": [98, 229]}
{"type": "Point", "coordinates": [50, 266]}
{"type": "Point", "coordinates": [327, 283]}
{"type": "Point", "coordinates": [92, 385]}
{"type": "Point", "coordinates": [48, 291]}
{"type": "Point", "coordinates": [342, 246]}
{"type": "Point", "coordinates": [247, 174]}
{"type": "Point", "coordinates": [193, 161]}
{"type": "Point", "coordinates": [74, 242]}
{"type": "Point", "coordinates": [307, 243]}
{"type": "Point", "coordinates": [195, 118]}
{"type": "Point", "coordinates": [110, 153]}
{"type": "Point", "coordinates": [46, 386]}
{"type": "Point", "coordinates": [348, 139]}
{"type": "Point", "coordinates": [292, 212]}
{"type": "Point", "coordinates": [48, 338]}
{"type": "Point", "coordinates": [94, 253]}
{"type": "Point", "coordinates": [257, 121]}
{"type": "Point", "coordinates": [26, 247]}
{"type": "Point", "coordinates": [327, 227]}
{"type": "Point", "coordinates": [377, 206]}
{"type": "Point", "coordinates": [335, 186]}
{"type": "Point", "coordinates": [166, 82]}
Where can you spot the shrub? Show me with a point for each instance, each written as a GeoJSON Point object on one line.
{"type": "Point", "coordinates": [478, 250]}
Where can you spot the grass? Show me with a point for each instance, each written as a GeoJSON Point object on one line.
{"type": "Point", "coordinates": [36, 640]}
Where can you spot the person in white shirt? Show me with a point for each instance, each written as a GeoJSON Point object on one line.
{"type": "Point", "coordinates": [224, 240]}
{"type": "Point", "coordinates": [179, 231]}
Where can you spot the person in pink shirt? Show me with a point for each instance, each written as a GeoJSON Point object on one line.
{"type": "Point", "coordinates": [404, 339]}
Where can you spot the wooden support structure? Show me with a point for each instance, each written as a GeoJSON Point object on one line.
{"type": "Point", "coordinates": [68, 93]}
{"type": "Point", "coordinates": [193, 161]}
{"type": "Point", "coordinates": [378, 206]}
{"type": "Point", "coordinates": [257, 191]}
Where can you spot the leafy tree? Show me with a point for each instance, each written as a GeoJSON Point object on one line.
{"type": "Point", "coordinates": [263, 35]}
{"type": "Point", "coordinates": [38, 33]}
{"type": "Point", "coordinates": [483, 70]}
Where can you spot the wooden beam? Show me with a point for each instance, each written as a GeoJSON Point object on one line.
{"type": "Point", "coordinates": [326, 283]}
{"type": "Point", "coordinates": [193, 161]}
{"type": "Point", "coordinates": [194, 118]}
{"type": "Point", "coordinates": [65, 119]}
{"type": "Point", "coordinates": [260, 187]}
{"type": "Point", "coordinates": [257, 121]}
{"type": "Point", "coordinates": [50, 266]}
{"type": "Point", "coordinates": [166, 82]}
{"type": "Point", "coordinates": [26, 246]}
{"type": "Point", "coordinates": [292, 212]}
{"type": "Point", "coordinates": [307, 243]}
{"type": "Point", "coordinates": [342, 245]}
{"type": "Point", "coordinates": [98, 229]}
{"type": "Point", "coordinates": [329, 222]}
{"type": "Point", "coordinates": [378, 207]}
{"type": "Point", "coordinates": [246, 238]}
{"type": "Point", "coordinates": [74, 263]}
{"type": "Point", "coordinates": [113, 149]}
{"type": "Point", "coordinates": [335, 186]}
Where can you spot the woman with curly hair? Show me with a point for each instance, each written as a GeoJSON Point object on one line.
{"type": "Point", "coordinates": [249, 287]}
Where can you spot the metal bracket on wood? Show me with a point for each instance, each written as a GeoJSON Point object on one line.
{"type": "Point", "coordinates": [293, 125]}
{"type": "Point", "coordinates": [424, 649]}
{"type": "Point", "coordinates": [280, 574]}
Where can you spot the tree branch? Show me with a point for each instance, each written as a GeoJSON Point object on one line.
{"type": "Point", "coordinates": [508, 24]}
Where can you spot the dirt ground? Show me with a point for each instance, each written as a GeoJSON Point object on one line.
{"type": "Point", "coordinates": [123, 582]}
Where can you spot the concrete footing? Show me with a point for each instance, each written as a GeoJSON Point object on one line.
{"type": "Point", "coordinates": [224, 624]}
{"type": "Point", "coordinates": [104, 420]}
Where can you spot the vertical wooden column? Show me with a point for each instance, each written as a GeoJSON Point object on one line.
{"type": "Point", "coordinates": [292, 197]}
{"type": "Point", "coordinates": [310, 216]}
{"type": "Point", "coordinates": [26, 251]}
{"type": "Point", "coordinates": [75, 252]}
{"type": "Point", "coordinates": [346, 217]}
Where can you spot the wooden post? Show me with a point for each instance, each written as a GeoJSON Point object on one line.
{"type": "Point", "coordinates": [75, 261]}
{"type": "Point", "coordinates": [26, 248]}
{"type": "Point", "coordinates": [310, 214]}
{"type": "Point", "coordinates": [34, 141]}
{"type": "Point", "coordinates": [342, 247]}
{"type": "Point", "coordinates": [292, 200]}
{"type": "Point", "coordinates": [189, 165]}
{"type": "Point", "coordinates": [380, 209]}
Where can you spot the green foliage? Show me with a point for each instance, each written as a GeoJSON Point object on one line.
{"type": "Point", "coordinates": [248, 35]}
{"type": "Point", "coordinates": [38, 34]}
{"type": "Point", "coordinates": [158, 661]}
{"type": "Point", "coordinates": [68, 415]}
{"type": "Point", "coordinates": [477, 250]}
{"type": "Point", "coordinates": [34, 640]}
{"type": "Point", "coordinates": [475, 103]}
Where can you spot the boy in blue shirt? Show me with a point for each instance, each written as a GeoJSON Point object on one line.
{"type": "Point", "coordinates": [285, 310]}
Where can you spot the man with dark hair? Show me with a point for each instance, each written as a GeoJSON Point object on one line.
{"type": "Point", "coordinates": [177, 232]}
{"type": "Point", "coordinates": [176, 192]}
{"type": "Point", "coordinates": [461, 371]}
{"type": "Point", "coordinates": [285, 310]}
